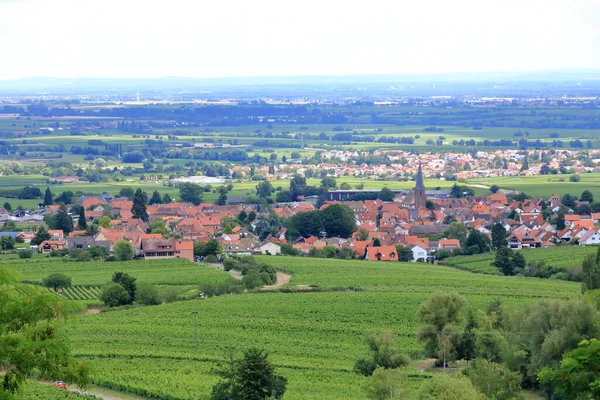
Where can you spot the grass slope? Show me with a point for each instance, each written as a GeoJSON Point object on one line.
{"type": "Point", "coordinates": [313, 338]}
{"type": "Point", "coordinates": [562, 257]}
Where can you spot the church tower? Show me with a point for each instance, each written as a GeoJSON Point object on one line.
{"type": "Point", "coordinates": [419, 190]}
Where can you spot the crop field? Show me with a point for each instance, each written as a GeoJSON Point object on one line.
{"type": "Point", "coordinates": [81, 293]}
{"type": "Point", "coordinates": [562, 257]}
{"type": "Point", "coordinates": [545, 185]}
{"type": "Point", "coordinates": [39, 391]}
{"type": "Point", "coordinates": [94, 273]}
{"type": "Point", "coordinates": [313, 337]}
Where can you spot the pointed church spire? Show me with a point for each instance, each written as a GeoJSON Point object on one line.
{"type": "Point", "coordinates": [419, 185]}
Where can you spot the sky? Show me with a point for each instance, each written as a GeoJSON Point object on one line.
{"type": "Point", "coordinates": [238, 38]}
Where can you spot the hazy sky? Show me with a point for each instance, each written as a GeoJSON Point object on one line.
{"type": "Point", "coordinates": [215, 38]}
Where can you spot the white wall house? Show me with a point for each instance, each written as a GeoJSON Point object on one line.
{"type": "Point", "coordinates": [419, 253]}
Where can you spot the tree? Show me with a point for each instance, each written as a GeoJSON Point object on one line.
{"type": "Point", "coordinates": [329, 182]}
{"type": "Point", "coordinates": [456, 230]}
{"type": "Point", "coordinates": [498, 236]}
{"type": "Point", "coordinates": [307, 223]}
{"type": "Point", "coordinates": [525, 165]}
{"type": "Point", "coordinates": [264, 189]}
{"type": "Point", "coordinates": [7, 243]}
{"type": "Point", "coordinates": [57, 281]}
{"type": "Point", "coordinates": [48, 197]}
{"type": "Point", "coordinates": [493, 380]}
{"type": "Point", "coordinates": [560, 222]}
{"type": "Point", "coordinates": [405, 254]}
{"type": "Point", "coordinates": [445, 387]}
{"type": "Point", "coordinates": [494, 188]}
{"type": "Point", "coordinates": [155, 199]}
{"type": "Point", "coordinates": [250, 378]}
{"type": "Point", "coordinates": [82, 222]}
{"type": "Point", "coordinates": [138, 209]}
{"type": "Point", "coordinates": [63, 220]}
{"type": "Point", "coordinates": [297, 187]}
{"type": "Point", "coordinates": [30, 338]}
{"type": "Point", "coordinates": [591, 272]}
{"type": "Point", "coordinates": [147, 294]}
{"type": "Point", "coordinates": [345, 186]}
{"type": "Point", "coordinates": [544, 169]}
{"type": "Point", "coordinates": [338, 221]}
{"type": "Point", "coordinates": [25, 253]}
{"type": "Point", "coordinates": [567, 200]}
{"type": "Point", "coordinates": [456, 191]}
{"type": "Point", "coordinates": [158, 226]}
{"type": "Point", "coordinates": [65, 197]}
{"type": "Point", "coordinates": [578, 376]}
{"type": "Point", "coordinates": [127, 192]}
{"type": "Point", "coordinates": [574, 178]}
{"type": "Point", "coordinates": [385, 194]}
{"type": "Point", "coordinates": [114, 295]}
{"type": "Point", "coordinates": [123, 250]}
{"type": "Point", "coordinates": [385, 384]}
{"type": "Point", "coordinates": [465, 348]}
{"type": "Point", "coordinates": [508, 261]}
{"type": "Point", "coordinates": [362, 234]}
{"type": "Point", "coordinates": [383, 348]}
{"type": "Point", "coordinates": [476, 238]}
{"type": "Point", "coordinates": [210, 248]}
{"type": "Point", "coordinates": [586, 195]}
{"type": "Point", "coordinates": [128, 283]}
{"type": "Point", "coordinates": [191, 193]}
{"type": "Point", "coordinates": [41, 235]}
{"type": "Point", "coordinates": [222, 200]}
{"type": "Point", "coordinates": [166, 199]}
{"type": "Point", "coordinates": [7, 206]}
{"type": "Point", "coordinates": [439, 316]}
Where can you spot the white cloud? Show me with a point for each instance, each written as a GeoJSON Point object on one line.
{"type": "Point", "coordinates": [133, 38]}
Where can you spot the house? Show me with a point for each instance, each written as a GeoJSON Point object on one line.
{"type": "Point", "coordinates": [56, 234]}
{"type": "Point", "coordinates": [26, 236]}
{"type": "Point", "coordinates": [591, 237]}
{"type": "Point", "coordinates": [51, 245]}
{"type": "Point", "coordinates": [382, 253]}
{"type": "Point", "coordinates": [448, 244]}
{"type": "Point", "coordinates": [269, 248]}
{"type": "Point", "coordinates": [419, 253]}
{"type": "Point", "coordinates": [154, 249]}
{"type": "Point", "coordinates": [85, 242]}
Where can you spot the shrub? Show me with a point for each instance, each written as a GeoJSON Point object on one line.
{"type": "Point", "coordinates": [146, 293]}
{"type": "Point", "coordinates": [211, 259]}
{"type": "Point", "coordinates": [114, 294]}
{"type": "Point", "coordinates": [25, 254]}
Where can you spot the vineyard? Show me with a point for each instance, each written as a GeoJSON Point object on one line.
{"type": "Point", "coordinates": [562, 257]}
{"type": "Point", "coordinates": [313, 338]}
{"type": "Point", "coordinates": [38, 391]}
{"type": "Point", "coordinates": [81, 293]}
{"type": "Point", "coordinates": [176, 272]}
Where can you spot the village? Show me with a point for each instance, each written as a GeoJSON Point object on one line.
{"type": "Point", "coordinates": [384, 231]}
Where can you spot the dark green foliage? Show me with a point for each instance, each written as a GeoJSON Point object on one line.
{"type": "Point", "coordinates": [338, 220]}
{"type": "Point", "coordinates": [41, 235]}
{"type": "Point", "coordinates": [63, 220]}
{"type": "Point", "coordinates": [155, 199]}
{"type": "Point", "coordinates": [465, 348]}
{"type": "Point", "coordinates": [508, 261]}
{"type": "Point", "coordinates": [25, 253]}
{"type": "Point", "coordinates": [123, 250]}
{"type": "Point", "coordinates": [264, 189]}
{"type": "Point", "coordinates": [384, 353]}
{"type": "Point", "coordinates": [191, 193]}
{"type": "Point", "coordinates": [307, 223]}
{"type": "Point", "coordinates": [81, 222]}
{"type": "Point", "coordinates": [578, 376]}
{"type": "Point", "coordinates": [222, 200]}
{"type": "Point", "coordinates": [404, 253]}
{"type": "Point", "coordinates": [147, 294]}
{"type": "Point", "coordinates": [591, 272]}
{"type": "Point", "coordinates": [127, 192]}
{"type": "Point", "coordinates": [138, 209]}
{"type": "Point", "coordinates": [494, 380]}
{"type": "Point", "coordinates": [128, 283]}
{"type": "Point", "coordinates": [560, 222]}
{"type": "Point", "coordinates": [478, 239]}
{"type": "Point", "coordinates": [498, 236]}
{"type": "Point", "coordinates": [385, 194]}
{"type": "Point", "coordinates": [212, 247]}
{"type": "Point", "coordinates": [7, 206]}
{"type": "Point", "coordinates": [114, 295]}
{"type": "Point", "coordinates": [494, 188]}
{"type": "Point", "coordinates": [586, 195]}
{"type": "Point", "coordinates": [250, 378]}
{"type": "Point", "coordinates": [7, 243]}
{"type": "Point", "coordinates": [568, 200]}
{"type": "Point", "coordinates": [166, 199]}
{"type": "Point", "coordinates": [57, 281]}
{"type": "Point", "coordinates": [329, 182]}
{"type": "Point", "coordinates": [47, 197]}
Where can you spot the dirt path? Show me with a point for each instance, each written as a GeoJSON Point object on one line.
{"type": "Point", "coordinates": [106, 394]}
{"type": "Point", "coordinates": [423, 364]}
{"type": "Point", "coordinates": [282, 279]}
{"type": "Point", "coordinates": [478, 185]}
{"type": "Point", "coordinates": [92, 310]}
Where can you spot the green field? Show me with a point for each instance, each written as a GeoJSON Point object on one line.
{"type": "Point", "coordinates": [561, 257]}
{"type": "Point", "coordinates": [545, 185]}
{"type": "Point", "coordinates": [176, 272]}
{"type": "Point", "coordinates": [313, 337]}
{"type": "Point", "coordinates": [40, 391]}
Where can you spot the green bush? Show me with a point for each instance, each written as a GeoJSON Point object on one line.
{"type": "Point", "coordinates": [25, 254]}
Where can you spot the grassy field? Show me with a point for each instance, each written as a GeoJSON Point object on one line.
{"type": "Point", "coordinates": [545, 185]}
{"type": "Point", "coordinates": [93, 273]}
{"type": "Point", "coordinates": [562, 257]}
{"type": "Point", "coordinates": [313, 338]}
